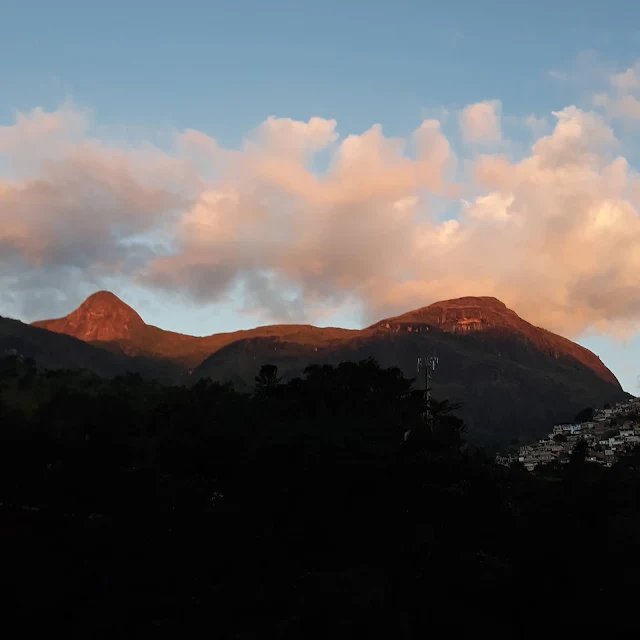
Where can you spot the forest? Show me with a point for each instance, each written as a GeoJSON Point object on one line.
{"type": "Point", "coordinates": [328, 506]}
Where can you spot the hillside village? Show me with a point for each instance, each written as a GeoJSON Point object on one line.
{"type": "Point", "coordinates": [609, 433]}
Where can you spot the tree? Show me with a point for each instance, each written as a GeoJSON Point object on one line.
{"type": "Point", "coordinates": [586, 415]}
{"type": "Point", "coordinates": [579, 453]}
{"type": "Point", "coordinates": [446, 432]}
{"type": "Point", "coordinates": [267, 380]}
{"type": "Point", "coordinates": [559, 437]}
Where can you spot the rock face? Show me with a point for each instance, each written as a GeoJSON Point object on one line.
{"type": "Point", "coordinates": [514, 379]}
{"type": "Point", "coordinates": [461, 315]}
{"type": "Point", "coordinates": [102, 317]}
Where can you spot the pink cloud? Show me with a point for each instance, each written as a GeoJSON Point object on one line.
{"type": "Point", "coordinates": [553, 234]}
{"type": "Point", "coordinates": [480, 122]}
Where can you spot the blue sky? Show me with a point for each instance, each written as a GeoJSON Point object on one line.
{"type": "Point", "coordinates": [146, 71]}
{"type": "Point", "coordinates": [223, 66]}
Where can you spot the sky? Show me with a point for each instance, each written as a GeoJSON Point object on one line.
{"type": "Point", "coordinates": [220, 165]}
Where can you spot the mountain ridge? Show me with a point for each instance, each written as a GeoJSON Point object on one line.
{"type": "Point", "coordinates": [513, 379]}
{"type": "Point", "coordinates": [456, 316]}
{"type": "Point", "coordinates": [105, 320]}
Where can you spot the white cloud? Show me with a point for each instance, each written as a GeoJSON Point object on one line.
{"type": "Point", "coordinates": [623, 98]}
{"type": "Point", "coordinates": [480, 122]}
{"type": "Point", "coordinates": [286, 136]}
{"type": "Point", "coordinates": [556, 74]}
{"type": "Point", "coordinates": [555, 235]}
{"type": "Point", "coordinates": [537, 126]}
{"type": "Point", "coordinates": [628, 80]}
{"type": "Point", "coordinates": [78, 204]}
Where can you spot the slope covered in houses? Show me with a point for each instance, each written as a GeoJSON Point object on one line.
{"type": "Point", "coordinates": [609, 433]}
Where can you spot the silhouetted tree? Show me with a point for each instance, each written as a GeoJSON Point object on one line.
{"type": "Point", "coordinates": [585, 415]}
{"type": "Point", "coordinates": [128, 505]}
{"type": "Point", "coordinates": [267, 380]}
{"type": "Point", "coordinates": [579, 453]}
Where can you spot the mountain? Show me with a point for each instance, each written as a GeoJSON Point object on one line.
{"type": "Point", "coordinates": [53, 351]}
{"type": "Point", "coordinates": [106, 321]}
{"type": "Point", "coordinates": [75, 342]}
{"type": "Point", "coordinates": [498, 326]}
{"type": "Point", "coordinates": [102, 317]}
{"type": "Point", "coordinates": [514, 379]}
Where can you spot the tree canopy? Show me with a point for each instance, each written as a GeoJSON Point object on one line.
{"type": "Point", "coordinates": [326, 506]}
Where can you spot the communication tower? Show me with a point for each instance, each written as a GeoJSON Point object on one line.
{"type": "Point", "coordinates": [428, 365]}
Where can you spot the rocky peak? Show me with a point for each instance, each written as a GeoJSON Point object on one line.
{"type": "Point", "coordinates": [471, 314]}
{"type": "Point", "coordinates": [477, 314]}
{"type": "Point", "coordinates": [460, 315]}
{"type": "Point", "coordinates": [101, 317]}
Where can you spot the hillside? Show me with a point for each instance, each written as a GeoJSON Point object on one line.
{"type": "Point", "coordinates": [514, 380]}
{"type": "Point", "coordinates": [58, 351]}
{"type": "Point", "coordinates": [54, 351]}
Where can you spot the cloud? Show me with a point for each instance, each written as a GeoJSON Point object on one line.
{"type": "Point", "coordinates": [538, 126]}
{"type": "Point", "coordinates": [554, 234]}
{"type": "Point", "coordinates": [628, 80]}
{"type": "Point", "coordinates": [622, 100]}
{"type": "Point", "coordinates": [284, 136]}
{"type": "Point", "coordinates": [270, 213]}
{"type": "Point", "coordinates": [32, 131]}
{"type": "Point", "coordinates": [480, 122]}
{"type": "Point", "coordinates": [75, 203]}
{"type": "Point", "coordinates": [556, 74]}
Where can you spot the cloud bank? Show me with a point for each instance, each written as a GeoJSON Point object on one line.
{"type": "Point", "coordinates": [555, 235]}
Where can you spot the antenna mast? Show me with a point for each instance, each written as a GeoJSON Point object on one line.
{"type": "Point", "coordinates": [428, 365]}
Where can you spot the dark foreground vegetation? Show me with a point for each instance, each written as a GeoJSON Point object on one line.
{"type": "Point", "coordinates": [299, 511]}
